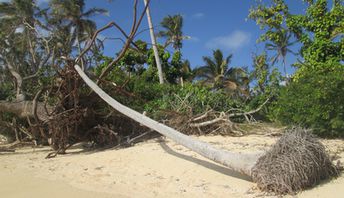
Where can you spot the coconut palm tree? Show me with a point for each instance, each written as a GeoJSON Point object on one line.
{"type": "Point", "coordinates": [15, 17]}
{"type": "Point", "coordinates": [173, 31]}
{"type": "Point", "coordinates": [72, 22]}
{"type": "Point", "coordinates": [18, 12]}
{"type": "Point", "coordinates": [281, 46]}
{"type": "Point", "coordinates": [239, 162]}
{"type": "Point", "coordinates": [17, 38]}
{"type": "Point", "coordinates": [216, 73]}
{"type": "Point", "coordinates": [186, 70]}
{"type": "Point", "coordinates": [174, 35]}
{"type": "Point", "coordinates": [215, 68]}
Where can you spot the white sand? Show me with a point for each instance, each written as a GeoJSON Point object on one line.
{"type": "Point", "coordinates": [150, 169]}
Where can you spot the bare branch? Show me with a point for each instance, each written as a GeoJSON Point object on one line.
{"type": "Point", "coordinates": [249, 112]}
{"type": "Point", "coordinates": [201, 116]}
{"type": "Point", "coordinates": [222, 117]}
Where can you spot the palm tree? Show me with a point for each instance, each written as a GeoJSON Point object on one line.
{"type": "Point", "coordinates": [218, 75]}
{"type": "Point", "coordinates": [16, 12]}
{"type": "Point", "coordinates": [174, 35]}
{"type": "Point", "coordinates": [155, 46]}
{"type": "Point", "coordinates": [186, 70]}
{"type": "Point", "coordinates": [173, 31]}
{"type": "Point", "coordinates": [216, 70]}
{"type": "Point", "coordinates": [73, 22]}
{"type": "Point", "coordinates": [237, 82]}
{"type": "Point", "coordinates": [17, 20]}
{"type": "Point", "coordinates": [281, 47]}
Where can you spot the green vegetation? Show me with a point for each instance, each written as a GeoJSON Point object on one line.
{"type": "Point", "coordinates": [313, 98]}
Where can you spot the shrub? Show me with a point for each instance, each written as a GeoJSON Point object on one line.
{"type": "Point", "coordinates": [315, 100]}
{"type": "Point", "coordinates": [6, 91]}
{"type": "Point", "coordinates": [192, 99]}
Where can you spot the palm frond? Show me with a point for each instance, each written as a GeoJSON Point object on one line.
{"type": "Point", "coordinates": [95, 11]}
{"type": "Point", "coordinates": [204, 70]}
{"type": "Point", "coordinates": [173, 30]}
{"type": "Point", "coordinates": [210, 64]}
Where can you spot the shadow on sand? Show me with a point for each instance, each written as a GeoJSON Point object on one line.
{"type": "Point", "coordinates": [206, 164]}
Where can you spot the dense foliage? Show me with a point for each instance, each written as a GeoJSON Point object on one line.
{"type": "Point", "coordinates": [313, 98]}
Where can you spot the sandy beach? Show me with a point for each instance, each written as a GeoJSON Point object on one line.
{"type": "Point", "coordinates": [155, 168]}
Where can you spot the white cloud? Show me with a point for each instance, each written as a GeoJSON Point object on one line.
{"type": "Point", "coordinates": [198, 15]}
{"type": "Point", "coordinates": [193, 39]}
{"type": "Point", "coordinates": [233, 41]}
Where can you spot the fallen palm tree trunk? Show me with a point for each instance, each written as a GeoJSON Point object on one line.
{"type": "Point", "coordinates": [235, 161]}
{"type": "Point", "coordinates": [293, 174]}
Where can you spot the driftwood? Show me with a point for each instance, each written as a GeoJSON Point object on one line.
{"type": "Point", "coordinates": [25, 109]}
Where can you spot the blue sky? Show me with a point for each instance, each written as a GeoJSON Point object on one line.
{"type": "Point", "coordinates": [210, 24]}
{"type": "Point", "coordinates": [216, 24]}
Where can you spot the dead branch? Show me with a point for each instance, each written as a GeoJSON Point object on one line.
{"type": "Point", "coordinates": [214, 121]}
{"type": "Point", "coordinates": [130, 142]}
{"type": "Point", "coordinates": [106, 129]}
{"type": "Point", "coordinates": [222, 117]}
{"type": "Point", "coordinates": [201, 116]}
{"type": "Point", "coordinates": [130, 37]}
{"type": "Point", "coordinates": [249, 112]}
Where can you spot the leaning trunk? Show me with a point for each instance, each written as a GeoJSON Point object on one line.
{"type": "Point", "coordinates": [155, 48]}
{"type": "Point", "coordinates": [242, 163]}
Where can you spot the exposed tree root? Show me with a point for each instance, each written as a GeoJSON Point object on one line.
{"type": "Point", "coordinates": [297, 161]}
{"type": "Point", "coordinates": [75, 119]}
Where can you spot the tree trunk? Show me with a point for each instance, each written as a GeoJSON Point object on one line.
{"type": "Point", "coordinates": [25, 109]}
{"type": "Point", "coordinates": [285, 68]}
{"type": "Point", "coordinates": [181, 79]}
{"type": "Point", "coordinates": [155, 49]}
{"type": "Point", "coordinates": [79, 49]}
{"type": "Point", "coordinates": [19, 81]}
{"type": "Point", "coordinates": [238, 162]}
